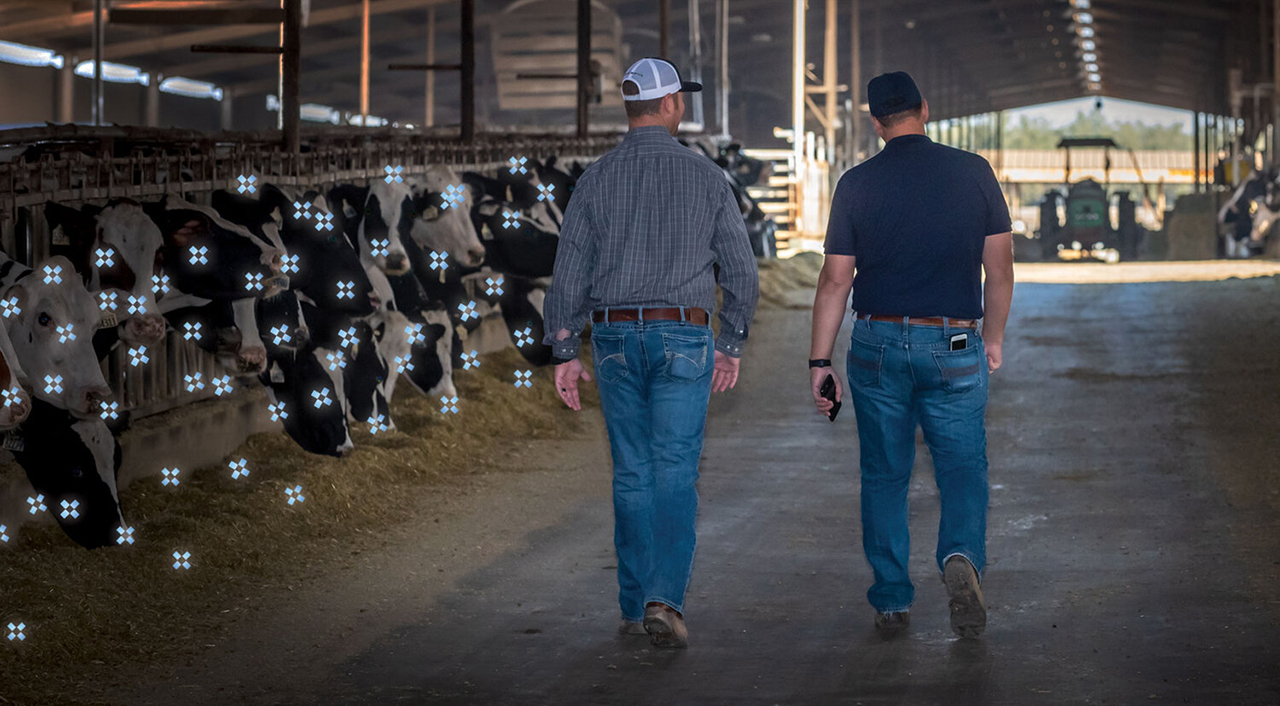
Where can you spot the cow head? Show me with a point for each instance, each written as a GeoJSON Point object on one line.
{"type": "Point", "coordinates": [386, 219]}
{"type": "Point", "coordinates": [315, 400]}
{"type": "Point", "coordinates": [114, 249]}
{"type": "Point", "coordinates": [73, 461]}
{"type": "Point", "coordinates": [52, 335]}
{"type": "Point", "coordinates": [431, 356]}
{"type": "Point", "coordinates": [440, 229]}
{"type": "Point", "coordinates": [207, 256]}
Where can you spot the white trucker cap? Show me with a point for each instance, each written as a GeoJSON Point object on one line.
{"type": "Point", "coordinates": [656, 78]}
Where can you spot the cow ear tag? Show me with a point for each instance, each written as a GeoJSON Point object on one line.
{"type": "Point", "coordinates": [107, 321]}
{"type": "Point", "coordinates": [462, 331]}
{"type": "Point", "coordinates": [13, 442]}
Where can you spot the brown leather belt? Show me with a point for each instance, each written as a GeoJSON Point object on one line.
{"type": "Point", "coordinates": [927, 321]}
{"type": "Point", "coordinates": [693, 314]}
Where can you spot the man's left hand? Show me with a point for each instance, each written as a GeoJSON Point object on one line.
{"type": "Point", "coordinates": [567, 375]}
{"type": "Point", "coordinates": [725, 375]}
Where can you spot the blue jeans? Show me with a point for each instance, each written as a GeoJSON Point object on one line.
{"type": "Point", "coordinates": [654, 379]}
{"type": "Point", "coordinates": [901, 376]}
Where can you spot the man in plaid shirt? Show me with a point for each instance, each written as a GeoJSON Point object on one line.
{"type": "Point", "coordinates": [646, 223]}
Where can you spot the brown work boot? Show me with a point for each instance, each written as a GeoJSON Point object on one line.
{"type": "Point", "coordinates": [665, 625]}
{"type": "Point", "coordinates": [631, 627]}
{"type": "Point", "coordinates": [968, 612]}
{"type": "Point", "coordinates": [893, 623]}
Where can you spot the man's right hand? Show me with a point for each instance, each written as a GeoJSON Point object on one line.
{"type": "Point", "coordinates": [726, 372]}
{"type": "Point", "coordinates": [995, 355]}
{"type": "Point", "coordinates": [567, 375]}
{"type": "Point", "coordinates": [816, 378]}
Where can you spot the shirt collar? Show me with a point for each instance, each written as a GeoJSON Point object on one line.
{"type": "Point", "coordinates": [908, 139]}
{"type": "Point", "coordinates": [649, 130]}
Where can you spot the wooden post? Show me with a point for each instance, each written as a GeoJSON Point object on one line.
{"type": "Point", "coordinates": [468, 90]}
{"type": "Point", "coordinates": [829, 83]}
{"type": "Point", "coordinates": [67, 90]}
{"type": "Point", "coordinates": [664, 21]}
{"type": "Point", "coordinates": [431, 75]}
{"type": "Point", "coordinates": [1195, 139]}
{"type": "Point", "coordinates": [290, 108]}
{"type": "Point", "coordinates": [97, 62]}
{"type": "Point", "coordinates": [584, 64]}
{"type": "Point", "coordinates": [151, 105]}
{"type": "Point", "coordinates": [722, 66]}
{"type": "Point", "coordinates": [364, 65]}
{"type": "Point", "coordinates": [855, 78]}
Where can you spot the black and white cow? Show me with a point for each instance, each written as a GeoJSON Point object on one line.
{"type": "Point", "coordinates": [441, 227]}
{"type": "Point", "coordinates": [73, 463]}
{"type": "Point", "coordinates": [50, 319]}
{"type": "Point", "coordinates": [378, 218]}
{"type": "Point", "coordinates": [114, 249]}
{"type": "Point", "coordinates": [304, 381]}
{"type": "Point", "coordinates": [208, 257]}
{"type": "Point", "coordinates": [15, 394]}
{"type": "Point", "coordinates": [1246, 221]}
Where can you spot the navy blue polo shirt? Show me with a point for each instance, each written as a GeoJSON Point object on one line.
{"type": "Point", "coordinates": [916, 217]}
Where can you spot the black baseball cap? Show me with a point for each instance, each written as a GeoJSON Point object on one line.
{"type": "Point", "coordinates": [892, 93]}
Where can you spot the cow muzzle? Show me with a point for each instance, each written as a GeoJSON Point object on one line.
{"type": "Point", "coordinates": [147, 329]}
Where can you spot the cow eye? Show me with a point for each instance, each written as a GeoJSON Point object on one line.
{"type": "Point", "coordinates": [76, 472]}
{"type": "Point", "coordinates": [44, 319]}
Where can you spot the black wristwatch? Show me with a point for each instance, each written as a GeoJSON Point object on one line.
{"type": "Point", "coordinates": [820, 363]}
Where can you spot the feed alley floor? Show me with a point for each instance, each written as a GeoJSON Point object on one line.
{"type": "Point", "coordinates": [1133, 543]}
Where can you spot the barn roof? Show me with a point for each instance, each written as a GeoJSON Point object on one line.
{"type": "Point", "coordinates": [968, 56]}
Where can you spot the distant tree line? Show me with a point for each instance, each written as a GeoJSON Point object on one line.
{"type": "Point", "coordinates": [1038, 133]}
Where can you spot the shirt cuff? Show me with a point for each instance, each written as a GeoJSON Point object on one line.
{"type": "Point", "coordinates": [557, 360]}
{"type": "Point", "coordinates": [730, 346]}
{"type": "Point", "coordinates": [566, 349]}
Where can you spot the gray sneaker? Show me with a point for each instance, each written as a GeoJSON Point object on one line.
{"type": "Point", "coordinates": [631, 627]}
{"type": "Point", "coordinates": [968, 612]}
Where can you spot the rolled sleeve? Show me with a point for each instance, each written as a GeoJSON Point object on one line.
{"type": "Point", "coordinates": [568, 301]}
{"type": "Point", "coordinates": [739, 275]}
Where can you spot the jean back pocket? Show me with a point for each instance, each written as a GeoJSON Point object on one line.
{"type": "Point", "coordinates": [686, 354]}
{"type": "Point", "coordinates": [961, 370]}
{"type": "Point", "coordinates": [609, 354]}
{"type": "Point", "coordinates": [864, 362]}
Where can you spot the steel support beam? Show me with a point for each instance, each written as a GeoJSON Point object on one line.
{"type": "Point", "coordinates": [290, 107]}
{"type": "Point", "coordinates": [468, 88]}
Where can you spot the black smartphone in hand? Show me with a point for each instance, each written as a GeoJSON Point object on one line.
{"type": "Point", "coordinates": [828, 390]}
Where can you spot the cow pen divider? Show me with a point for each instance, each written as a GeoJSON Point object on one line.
{"type": "Point", "coordinates": [76, 165]}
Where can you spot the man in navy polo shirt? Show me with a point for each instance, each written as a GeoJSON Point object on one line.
{"type": "Point", "coordinates": [921, 221]}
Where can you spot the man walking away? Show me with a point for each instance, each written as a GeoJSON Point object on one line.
{"type": "Point", "coordinates": [646, 223]}
{"type": "Point", "coordinates": [921, 221]}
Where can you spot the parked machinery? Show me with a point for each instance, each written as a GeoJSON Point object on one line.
{"type": "Point", "coordinates": [1086, 232]}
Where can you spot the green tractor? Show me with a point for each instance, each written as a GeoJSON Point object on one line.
{"type": "Point", "coordinates": [1086, 233]}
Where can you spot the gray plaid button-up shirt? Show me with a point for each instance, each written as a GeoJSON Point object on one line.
{"type": "Point", "coordinates": [644, 225]}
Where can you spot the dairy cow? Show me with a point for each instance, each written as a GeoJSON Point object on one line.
{"type": "Point", "coordinates": [437, 228]}
{"type": "Point", "coordinates": [50, 319]}
{"type": "Point", "coordinates": [114, 249]}
{"type": "Point", "coordinates": [378, 219]}
{"type": "Point", "coordinates": [303, 377]}
{"type": "Point", "coordinates": [73, 463]}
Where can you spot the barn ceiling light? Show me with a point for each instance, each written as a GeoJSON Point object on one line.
{"type": "Point", "coordinates": [115, 73]}
{"type": "Point", "coordinates": [1091, 68]}
{"type": "Point", "coordinates": [1083, 18]}
{"type": "Point", "coordinates": [1089, 56]}
{"type": "Point", "coordinates": [190, 88]}
{"type": "Point", "coordinates": [317, 113]}
{"type": "Point", "coordinates": [14, 53]}
{"type": "Point", "coordinates": [1088, 45]}
{"type": "Point", "coordinates": [370, 121]}
{"type": "Point", "coordinates": [1094, 77]}
{"type": "Point", "coordinates": [1084, 31]}
{"type": "Point", "coordinates": [1081, 4]}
